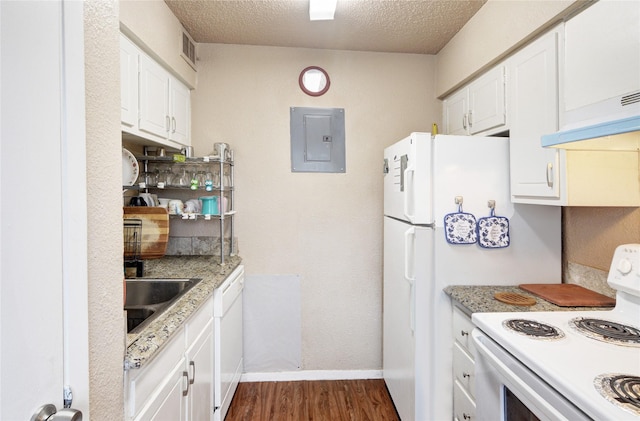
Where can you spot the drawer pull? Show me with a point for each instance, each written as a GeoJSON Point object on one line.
{"type": "Point", "coordinates": [466, 416]}
{"type": "Point", "coordinates": [464, 333]}
{"type": "Point", "coordinates": [466, 375]}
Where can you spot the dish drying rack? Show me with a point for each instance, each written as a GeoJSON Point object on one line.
{"type": "Point", "coordinates": [132, 234]}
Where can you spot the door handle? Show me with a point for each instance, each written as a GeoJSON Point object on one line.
{"type": "Point", "coordinates": [49, 412]}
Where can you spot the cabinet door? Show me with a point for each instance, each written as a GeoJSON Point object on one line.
{"type": "Point", "coordinates": [169, 404]}
{"type": "Point", "coordinates": [533, 111]}
{"type": "Point", "coordinates": [455, 113]}
{"type": "Point", "coordinates": [128, 82]}
{"type": "Point", "coordinates": [180, 112]}
{"type": "Point", "coordinates": [200, 368]}
{"type": "Point", "coordinates": [154, 98]}
{"type": "Point", "coordinates": [602, 53]}
{"type": "Point", "coordinates": [487, 101]}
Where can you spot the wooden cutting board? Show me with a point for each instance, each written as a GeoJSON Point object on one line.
{"type": "Point", "coordinates": [569, 295]}
{"type": "Point", "coordinates": [155, 229]}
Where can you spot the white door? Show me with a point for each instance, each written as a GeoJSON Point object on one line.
{"type": "Point", "coordinates": [43, 315]}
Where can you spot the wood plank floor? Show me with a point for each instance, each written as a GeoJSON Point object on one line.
{"type": "Point", "coordinates": [322, 400]}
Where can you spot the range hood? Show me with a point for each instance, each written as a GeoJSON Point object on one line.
{"type": "Point", "coordinates": [612, 125]}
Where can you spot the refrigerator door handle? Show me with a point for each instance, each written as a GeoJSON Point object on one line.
{"type": "Point", "coordinates": [409, 276]}
{"type": "Point", "coordinates": [408, 193]}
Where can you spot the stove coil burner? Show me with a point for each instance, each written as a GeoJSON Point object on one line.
{"type": "Point", "coordinates": [620, 389]}
{"type": "Point", "coordinates": [533, 329]}
{"type": "Point", "coordinates": [607, 331]}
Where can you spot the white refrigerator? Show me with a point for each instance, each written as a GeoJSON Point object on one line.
{"type": "Point", "coordinates": [425, 179]}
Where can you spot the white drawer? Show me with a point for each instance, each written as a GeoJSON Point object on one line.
{"type": "Point", "coordinates": [464, 408]}
{"type": "Point", "coordinates": [462, 327]}
{"type": "Point", "coordinates": [464, 369]}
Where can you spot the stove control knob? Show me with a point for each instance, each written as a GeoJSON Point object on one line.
{"type": "Point", "coordinates": [624, 266]}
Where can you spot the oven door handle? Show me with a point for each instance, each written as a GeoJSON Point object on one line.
{"type": "Point", "coordinates": [516, 383]}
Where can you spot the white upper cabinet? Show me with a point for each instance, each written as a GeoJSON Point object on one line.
{"type": "Point", "coordinates": [180, 111]}
{"type": "Point", "coordinates": [478, 107]}
{"type": "Point", "coordinates": [128, 82]}
{"type": "Point", "coordinates": [156, 106]}
{"type": "Point", "coordinates": [154, 98]}
{"type": "Point", "coordinates": [533, 111]}
{"type": "Point", "coordinates": [602, 57]}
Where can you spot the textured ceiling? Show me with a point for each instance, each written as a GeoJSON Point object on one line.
{"type": "Point", "coordinates": [404, 26]}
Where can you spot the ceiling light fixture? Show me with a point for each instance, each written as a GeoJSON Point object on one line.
{"type": "Point", "coordinates": [322, 9]}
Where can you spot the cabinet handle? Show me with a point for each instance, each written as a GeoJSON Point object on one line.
{"type": "Point", "coordinates": [464, 121]}
{"type": "Point", "coordinates": [167, 122]}
{"type": "Point", "coordinates": [466, 375]}
{"type": "Point", "coordinates": [193, 375]}
{"type": "Point", "coordinates": [549, 174]}
{"type": "Point", "coordinates": [466, 416]}
{"type": "Point", "coordinates": [470, 119]}
{"type": "Point", "coordinates": [464, 333]}
{"type": "Point", "coordinates": [185, 375]}
{"type": "Point", "coordinates": [173, 124]}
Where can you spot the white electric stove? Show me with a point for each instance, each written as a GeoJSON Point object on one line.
{"type": "Point", "coordinates": [564, 365]}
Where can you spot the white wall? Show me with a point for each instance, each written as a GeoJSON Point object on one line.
{"type": "Point", "coordinates": [326, 228]}
{"type": "Point", "coordinates": [104, 209]}
{"type": "Point", "coordinates": [495, 30]}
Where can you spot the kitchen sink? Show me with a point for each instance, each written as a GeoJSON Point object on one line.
{"type": "Point", "coordinates": [147, 298]}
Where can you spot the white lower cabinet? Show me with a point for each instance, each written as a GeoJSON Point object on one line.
{"type": "Point", "coordinates": [464, 406]}
{"type": "Point", "coordinates": [200, 371]}
{"type": "Point", "coordinates": [169, 403]}
{"type": "Point", "coordinates": [177, 385]}
{"type": "Point", "coordinates": [195, 375]}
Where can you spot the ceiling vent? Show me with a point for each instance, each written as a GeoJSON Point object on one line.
{"type": "Point", "coordinates": [188, 48]}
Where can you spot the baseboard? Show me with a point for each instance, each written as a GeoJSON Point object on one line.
{"type": "Point", "coordinates": [285, 376]}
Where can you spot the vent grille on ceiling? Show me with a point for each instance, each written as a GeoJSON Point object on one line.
{"type": "Point", "coordinates": [188, 48]}
{"type": "Point", "coordinates": [630, 99]}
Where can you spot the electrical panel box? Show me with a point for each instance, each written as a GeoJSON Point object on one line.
{"type": "Point", "coordinates": [317, 140]}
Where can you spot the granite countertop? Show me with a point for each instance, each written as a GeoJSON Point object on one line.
{"type": "Point", "coordinates": [479, 299]}
{"type": "Point", "coordinates": [142, 346]}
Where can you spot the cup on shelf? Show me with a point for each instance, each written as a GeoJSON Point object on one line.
{"type": "Point", "coordinates": [192, 206]}
{"type": "Point", "coordinates": [209, 205]}
{"type": "Point", "coordinates": [163, 202]}
{"type": "Point", "coordinates": [176, 207]}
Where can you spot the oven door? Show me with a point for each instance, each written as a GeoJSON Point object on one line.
{"type": "Point", "coordinates": [506, 390]}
